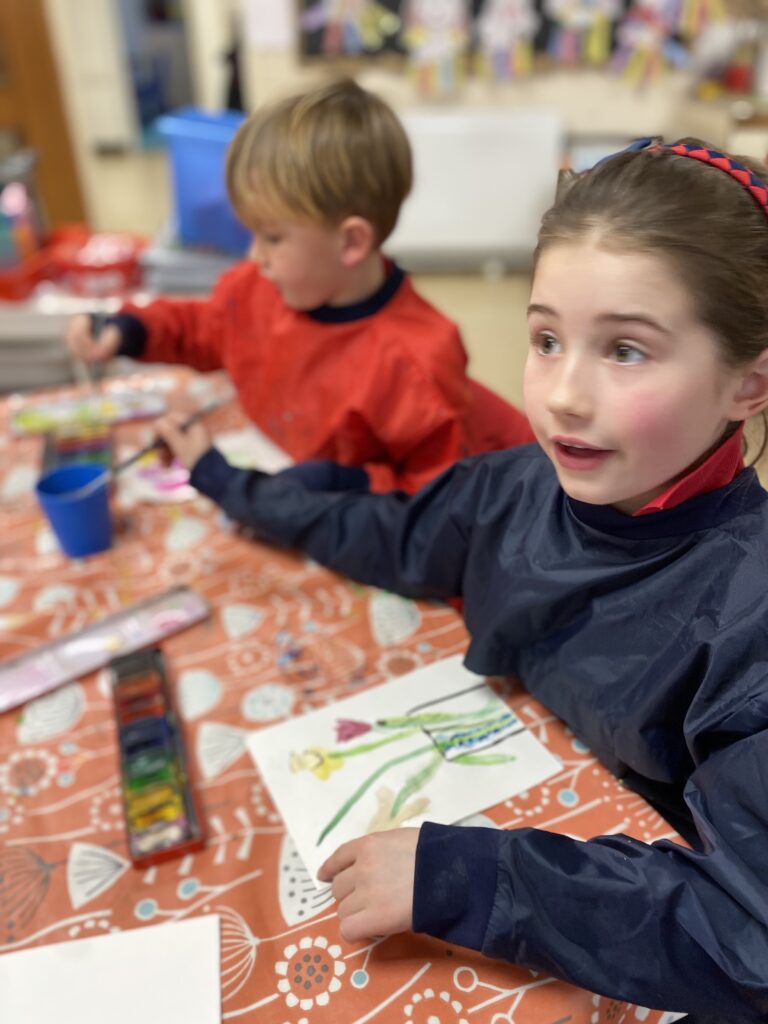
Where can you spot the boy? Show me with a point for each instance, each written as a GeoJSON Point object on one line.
{"type": "Point", "coordinates": [333, 353]}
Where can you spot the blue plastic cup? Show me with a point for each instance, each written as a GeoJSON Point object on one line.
{"type": "Point", "coordinates": [77, 507]}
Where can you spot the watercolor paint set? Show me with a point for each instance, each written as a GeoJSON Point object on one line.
{"type": "Point", "coordinates": [161, 816]}
{"type": "Point", "coordinates": [69, 657]}
{"type": "Point", "coordinates": [90, 444]}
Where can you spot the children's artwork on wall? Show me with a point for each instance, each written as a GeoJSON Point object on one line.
{"type": "Point", "coordinates": [693, 16]}
{"type": "Point", "coordinates": [506, 40]}
{"type": "Point", "coordinates": [582, 30]}
{"type": "Point", "coordinates": [436, 744]}
{"type": "Point", "coordinates": [505, 33]}
{"type": "Point", "coordinates": [436, 33]}
{"type": "Point", "coordinates": [647, 42]}
{"type": "Point", "coordinates": [350, 28]}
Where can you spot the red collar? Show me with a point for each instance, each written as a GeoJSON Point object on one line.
{"type": "Point", "coordinates": [719, 469]}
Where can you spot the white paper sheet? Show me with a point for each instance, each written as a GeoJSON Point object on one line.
{"type": "Point", "coordinates": [152, 975]}
{"type": "Point", "coordinates": [250, 448]}
{"type": "Point", "coordinates": [314, 765]}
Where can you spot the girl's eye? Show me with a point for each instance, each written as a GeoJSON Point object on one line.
{"type": "Point", "coordinates": [628, 354]}
{"type": "Point", "coordinates": [546, 344]}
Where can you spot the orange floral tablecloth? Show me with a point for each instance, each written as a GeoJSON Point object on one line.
{"type": "Point", "coordinates": [285, 636]}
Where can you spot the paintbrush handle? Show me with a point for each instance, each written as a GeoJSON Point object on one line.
{"type": "Point", "coordinates": [196, 416]}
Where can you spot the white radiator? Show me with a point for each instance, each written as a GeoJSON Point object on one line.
{"type": "Point", "coordinates": [482, 181]}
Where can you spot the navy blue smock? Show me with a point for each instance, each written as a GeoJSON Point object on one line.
{"type": "Point", "coordinates": [649, 637]}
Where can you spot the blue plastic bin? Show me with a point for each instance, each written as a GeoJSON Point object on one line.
{"type": "Point", "coordinates": [198, 144]}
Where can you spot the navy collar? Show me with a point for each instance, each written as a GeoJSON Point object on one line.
{"type": "Point", "coordinates": [742, 494]}
{"type": "Point", "coordinates": [358, 310]}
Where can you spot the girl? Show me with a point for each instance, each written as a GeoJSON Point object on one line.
{"type": "Point", "coordinates": [620, 570]}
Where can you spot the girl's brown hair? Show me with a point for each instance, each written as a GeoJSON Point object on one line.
{"type": "Point", "coordinates": [323, 155]}
{"type": "Point", "coordinates": [705, 224]}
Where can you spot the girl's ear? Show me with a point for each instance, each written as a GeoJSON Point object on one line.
{"type": "Point", "coordinates": [358, 240]}
{"type": "Point", "coordinates": [751, 396]}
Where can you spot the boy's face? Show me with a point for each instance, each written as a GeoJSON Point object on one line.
{"type": "Point", "coordinates": [624, 387]}
{"type": "Point", "coordinates": [304, 261]}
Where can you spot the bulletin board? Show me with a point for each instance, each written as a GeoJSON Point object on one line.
{"type": "Point", "coordinates": [503, 39]}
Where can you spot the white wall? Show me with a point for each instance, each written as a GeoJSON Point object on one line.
{"type": "Point", "coordinates": [87, 44]}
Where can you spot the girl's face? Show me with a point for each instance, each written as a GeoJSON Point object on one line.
{"type": "Point", "coordinates": [624, 387]}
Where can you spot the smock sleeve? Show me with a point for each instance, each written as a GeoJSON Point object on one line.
{"type": "Point", "coordinates": [415, 545]}
{"type": "Point", "coordinates": [660, 925]}
{"type": "Point", "coordinates": [189, 331]}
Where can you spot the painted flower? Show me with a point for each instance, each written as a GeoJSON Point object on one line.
{"type": "Point", "coordinates": [318, 760]}
{"type": "Point", "coordinates": [347, 729]}
{"type": "Point", "coordinates": [310, 972]}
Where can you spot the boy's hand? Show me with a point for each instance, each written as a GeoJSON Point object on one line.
{"type": "Point", "coordinates": [372, 882]}
{"type": "Point", "coordinates": [84, 345]}
{"type": "Point", "coordinates": [187, 445]}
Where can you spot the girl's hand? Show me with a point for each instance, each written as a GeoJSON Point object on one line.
{"type": "Point", "coordinates": [187, 445]}
{"type": "Point", "coordinates": [84, 345]}
{"type": "Point", "coordinates": [372, 882]}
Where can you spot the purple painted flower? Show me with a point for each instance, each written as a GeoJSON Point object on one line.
{"type": "Point", "coordinates": [348, 728]}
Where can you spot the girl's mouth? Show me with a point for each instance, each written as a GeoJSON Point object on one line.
{"type": "Point", "coordinates": [572, 455]}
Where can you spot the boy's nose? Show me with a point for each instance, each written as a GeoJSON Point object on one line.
{"type": "Point", "coordinates": [258, 253]}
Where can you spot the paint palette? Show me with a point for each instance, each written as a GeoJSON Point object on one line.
{"type": "Point", "coordinates": [69, 657]}
{"type": "Point", "coordinates": [40, 415]}
{"type": "Point", "coordinates": [161, 818]}
{"type": "Point", "coordinates": [81, 444]}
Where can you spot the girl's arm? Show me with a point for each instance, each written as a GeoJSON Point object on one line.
{"type": "Point", "coordinates": [411, 545]}
{"type": "Point", "coordinates": [659, 925]}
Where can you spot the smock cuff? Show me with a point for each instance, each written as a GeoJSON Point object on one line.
{"type": "Point", "coordinates": [133, 334]}
{"type": "Point", "coordinates": [455, 882]}
{"type": "Point", "coordinates": [212, 474]}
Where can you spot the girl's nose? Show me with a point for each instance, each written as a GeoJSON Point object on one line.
{"type": "Point", "coordinates": [571, 391]}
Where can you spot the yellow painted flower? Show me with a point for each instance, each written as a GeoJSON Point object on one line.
{"type": "Point", "coordinates": [318, 760]}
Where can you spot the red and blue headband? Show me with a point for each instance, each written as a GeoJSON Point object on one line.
{"type": "Point", "coordinates": [756, 188]}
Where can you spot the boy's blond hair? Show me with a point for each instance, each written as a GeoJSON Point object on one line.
{"type": "Point", "coordinates": [323, 155]}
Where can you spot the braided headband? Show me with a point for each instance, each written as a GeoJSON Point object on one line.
{"type": "Point", "coordinates": [756, 188]}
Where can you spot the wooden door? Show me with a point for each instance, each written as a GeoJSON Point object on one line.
{"type": "Point", "coordinates": [31, 106]}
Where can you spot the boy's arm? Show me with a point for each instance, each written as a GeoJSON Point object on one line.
{"type": "Point", "coordinates": [188, 331]}
{"type": "Point", "coordinates": [415, 546]}
{"type": "Point", "coordinates": [659, 925]}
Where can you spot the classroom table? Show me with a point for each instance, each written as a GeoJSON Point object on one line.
{"type": "Point", "coordinates": [285, 636]}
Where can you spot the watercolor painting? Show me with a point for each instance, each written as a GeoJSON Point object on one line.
{"type": "Point", "coordinates": [436, 744]}
{"type": "Point", "coordinates": [151, 480]}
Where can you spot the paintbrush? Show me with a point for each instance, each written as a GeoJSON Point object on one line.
{"type": "Point", "coordinates": [157, 445]}
{"type": "Point", "coordinates": [94, 373]}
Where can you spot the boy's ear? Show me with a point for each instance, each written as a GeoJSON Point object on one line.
{"type": "Point", "coordinates": [751, 396]}
{"type": "Point", "coordinates": [358, 240]}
